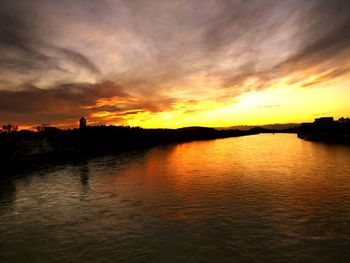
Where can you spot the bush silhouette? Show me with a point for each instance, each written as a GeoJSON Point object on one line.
{"type": "Point", "coordinates": [9, 128]}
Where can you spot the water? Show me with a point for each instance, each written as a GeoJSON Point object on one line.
{"type": "Point", "coordinates": [262, 198]}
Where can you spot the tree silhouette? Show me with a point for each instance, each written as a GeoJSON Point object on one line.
{"type": "Point", "coordinates": [9, 128]}
{"type": "Point", "coordinates": [43, 127]}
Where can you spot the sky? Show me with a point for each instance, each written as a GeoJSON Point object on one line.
{"type": "Point", "coordinates": [173, 63]}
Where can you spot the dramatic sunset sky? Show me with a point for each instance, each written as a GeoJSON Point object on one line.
{"type": "Point", "coordinates": [173, 63]}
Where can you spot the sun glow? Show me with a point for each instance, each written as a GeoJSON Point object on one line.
{"type": "Point", "coordinates": [281, 103]}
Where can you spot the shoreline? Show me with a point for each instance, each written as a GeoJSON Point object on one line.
{"type": "Point", "coordinates": [32, 151]}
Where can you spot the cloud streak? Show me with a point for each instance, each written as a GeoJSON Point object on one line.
{"type": "Point", "coordinates": [29, 54]}
{"type": "Point", "coordinates": [68, 102]}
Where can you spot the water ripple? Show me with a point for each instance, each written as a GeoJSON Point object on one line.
{"type": "Point", "coordinates": [265, 198]}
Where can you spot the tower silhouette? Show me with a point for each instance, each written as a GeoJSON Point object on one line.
{"type": "Point", "coordinates": [82, 123]}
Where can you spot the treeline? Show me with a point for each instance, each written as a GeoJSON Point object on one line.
{"type": "Point", "coordinates": [26, 149]}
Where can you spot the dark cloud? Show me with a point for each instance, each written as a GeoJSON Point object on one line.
{"type": "Point", "coordinates": [27, 51]}
{"type": "Point", "coordinates": [131, 112]}
{"type": "Point", "coordinates": [326, 54]}
{"type": "Point", "coordinates": [55, 104]}
{"type": "Point", "coordinates": [329, 46]}
{"type": "Point", "coordinates": [19, 46]}
{"type": "Point", "coordinates": [79, 59]}
{"type": "Point", "coordinates": [70, 102]}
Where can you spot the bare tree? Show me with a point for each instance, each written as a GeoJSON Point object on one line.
{"type": "Point", "coordinates": [9, 128]}
{"type": "Point", "coordinates": [43, 127]}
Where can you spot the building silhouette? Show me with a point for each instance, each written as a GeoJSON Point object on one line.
{"type": "Point", "coordinates": [82, 123]}
{"type": "Point", "coordinates": [324, 121]}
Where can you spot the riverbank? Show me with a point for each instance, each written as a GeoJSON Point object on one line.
{"type": "Point", "coordinates": [27, 150]}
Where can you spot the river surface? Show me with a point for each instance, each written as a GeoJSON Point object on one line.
{"type": "Point", "coordinates": [261, 198]}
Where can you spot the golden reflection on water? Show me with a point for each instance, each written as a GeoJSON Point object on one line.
{"type": "Point", "coordinates": [272, 169]}
{"type": "Point", "coordinates": [265, 196]}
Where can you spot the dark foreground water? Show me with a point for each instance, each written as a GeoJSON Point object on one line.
{"type": "Point", "coordinates": [262, 198]}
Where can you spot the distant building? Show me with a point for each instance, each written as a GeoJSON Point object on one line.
{"type": "Point", "coordinates": [82, 123]}
{"type": "Point", "coordinates": [326, 129]}
{"type": "Point", "coordinates": [344, 121]}
{"type": "Point", "coordinates": [324, 120]}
